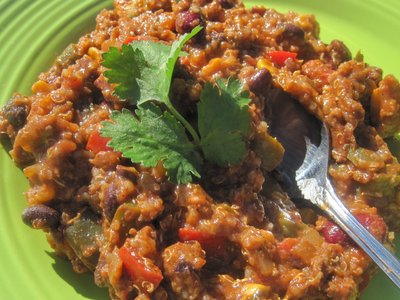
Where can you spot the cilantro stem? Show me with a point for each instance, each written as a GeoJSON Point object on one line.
{"type": "Point", "coordinates": [185, 123]}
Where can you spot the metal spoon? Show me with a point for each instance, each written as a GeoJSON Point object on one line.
{"type": "Point", "coordinates": [305, 174]}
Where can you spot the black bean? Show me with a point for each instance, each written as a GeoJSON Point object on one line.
{"type": "Point", "coordinates": [184, 267]}
{"type": "Point", "coordinates": [227, 4]}
{"type": "Point", "coordinates": [338, 52]}
{"type": "Point", "coordinates": [186, 21]}
{"type": "Point", "coordinates": [261, 82]}
{"type": "Point", "coordinates": [16, 115]}
{"type": "Point", "coordinates": [110, 202]}
{"type": "Point", "coordinates": [40, 216]}
{"type": "Point", "coordinates": [292, 33]}
{"type": "Point", "coordinates": [146, 182]}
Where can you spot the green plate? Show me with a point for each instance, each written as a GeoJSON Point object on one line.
{"type": "Point", "coordinates": [32, 33]}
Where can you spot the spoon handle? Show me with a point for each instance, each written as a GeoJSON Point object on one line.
{"type": "Point", "coordinates": [379, 254]}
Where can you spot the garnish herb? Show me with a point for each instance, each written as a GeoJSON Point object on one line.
{"type": "Point", "coordinates": [143, 72]}
{"type": "Point", "coordinates": [153, 135]}
{"type": "Point", "coordinates": [224, 122]}
{"type": "Point", "coordinates": [124, 69]}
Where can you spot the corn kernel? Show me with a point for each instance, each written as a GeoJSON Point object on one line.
{"type": "Point", "coordinates": [40, 86]}
{"type": "Point", "coordinates": [263, 63]}
{"type": "Point", "coordinates": [254, 291]}
{"type": "Point", "coordinates": [94, 53]}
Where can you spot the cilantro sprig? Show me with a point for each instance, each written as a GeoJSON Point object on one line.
{"type": "Point", "coordinates": [153, 135]}
{"type": "Point", "coordinates": [142, 72]}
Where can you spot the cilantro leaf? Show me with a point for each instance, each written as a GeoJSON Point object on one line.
{"type": "Point", "coordinates": [153, 136]}
{"type": "Point", "coordinates": [176, 51]}
{"type": "Point", "coordinates": [224, 122]}
{"type": "Point", "coordinates": [235, 89]}
{"type": "Point", "coordinates": [156, 79]}
{"type": "Point", "coordinates": [144, 69]}
{"type": "Point", "coordinates": [153, 82]}
{"type": "Point", "coordinates": [124, 67]}
{"type": "Point", "coordinates": [155, 53]}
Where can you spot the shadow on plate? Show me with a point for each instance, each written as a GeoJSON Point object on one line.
{"type": "Point", "coordinates": [82, 283]}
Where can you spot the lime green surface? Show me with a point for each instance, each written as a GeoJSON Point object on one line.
{"type": "Point", "coordinates": [33, 32]}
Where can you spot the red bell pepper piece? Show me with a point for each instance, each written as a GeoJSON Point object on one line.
{"type": "Point", "coordinates": [212, 244]}
{"type": "Point", "coordinates": [137, 269]}
{"type": "Point", "coordinates": [130, 39]}
{"type": "Point", "coordinates": [279, 57]}
{"type": "Point", "coordinates": [138, 38]}
{"type": "Point", "coordinates": [285, 247]}
{"type": "Point", "coordinates": [97, 143]}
